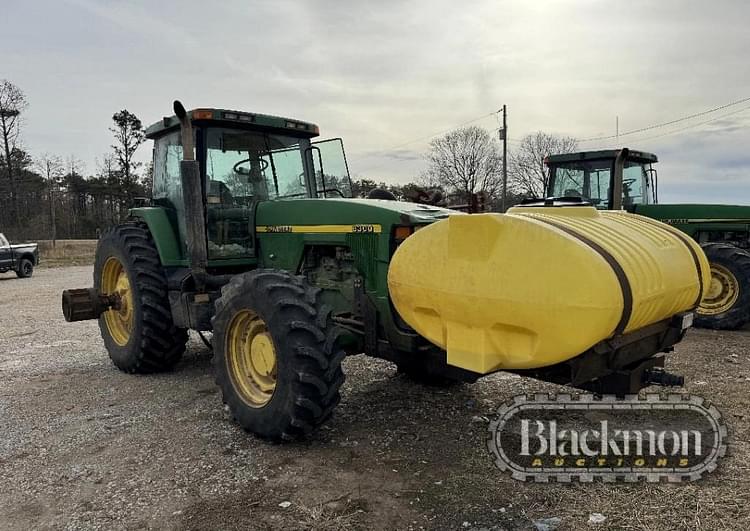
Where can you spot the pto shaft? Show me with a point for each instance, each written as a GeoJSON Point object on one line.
{"type": "Point", "coordinates": [87, 303]}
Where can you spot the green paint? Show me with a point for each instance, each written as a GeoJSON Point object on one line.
{"type": "Point", "coordinates": [695, 218]}
{"type": "Point", "coordinates": [704, 222]}
{"type": "Point", "coordinates": [163, 231]}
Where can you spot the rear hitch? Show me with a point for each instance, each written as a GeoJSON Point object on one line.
{"type": "Point", "coordinates": [87, 303]}
{"type": "Point", "coordinates": [663, 378]}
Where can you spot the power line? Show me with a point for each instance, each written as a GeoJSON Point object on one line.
{"type": "Point", "coordinates": [671, 122]}
{"type": "Point", "coordinates": [675, 131]}
{"type": "Point", "coordinates": [427, 137]}
{"type": "Point", "coordinates": [442, 132]}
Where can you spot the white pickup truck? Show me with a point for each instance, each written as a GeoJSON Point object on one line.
{"type": "Point", "coordinates": [21, 258]}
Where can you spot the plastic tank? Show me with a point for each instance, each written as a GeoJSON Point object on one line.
{"type": "Point", "coordinates": [540, 285]}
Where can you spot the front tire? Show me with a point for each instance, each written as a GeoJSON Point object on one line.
{"type": "Point", "coordinates": [276, 354]}
{"type": "Point", "coordinates": [140, 336]}
{"type": "Point", "coordinates": [25, 268]}
{"type": "Point", "coordinates": [727, 303]}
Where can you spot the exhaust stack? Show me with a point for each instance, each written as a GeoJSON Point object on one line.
{"type": "Point", "coordinates": [195, 217]}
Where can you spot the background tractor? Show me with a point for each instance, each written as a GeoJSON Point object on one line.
{"type": "Point", "coordinates": [626, 179]}
{"type": "Point", "coordinates": [252, 234]}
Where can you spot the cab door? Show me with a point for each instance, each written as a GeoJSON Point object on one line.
{"type": "Point", "coordinates": [331, 169]}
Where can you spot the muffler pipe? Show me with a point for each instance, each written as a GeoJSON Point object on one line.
{"type": "Point", "coordinates": [618, 176]}
{"type": "Point", "coordinates": [192, 196]}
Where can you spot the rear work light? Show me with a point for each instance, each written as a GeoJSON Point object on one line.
{"type": "Point", "coordinates": [242, 117]}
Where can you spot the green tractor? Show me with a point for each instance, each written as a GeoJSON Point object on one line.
{"type": "Point", "coordinates": [252, 234]}
{"type": "Point", "coordinates": [626, 179]}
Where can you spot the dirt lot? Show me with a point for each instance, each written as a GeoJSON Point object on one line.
{"type": "Point", "coordinates": [85, 446]}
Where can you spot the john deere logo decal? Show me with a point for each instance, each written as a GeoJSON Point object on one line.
{"type": "Point", "coordinates": [279, 228]}
{"type": "Point", "coordinates": [562, 438]}
{"type": "Point", "coordinates": [320, 229]}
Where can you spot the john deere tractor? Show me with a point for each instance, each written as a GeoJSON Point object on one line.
{"type": "Point", "coordinates": [252, 234]}
{"type": "Point", "coordinates": [627, 179]}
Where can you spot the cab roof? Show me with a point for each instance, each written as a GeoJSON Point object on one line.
{"type": "Point", "coordinates": [230, 118]}
{"type": "Point", "coordinates": [640, 156]}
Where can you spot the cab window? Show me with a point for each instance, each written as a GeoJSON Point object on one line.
{"type": "Point", "coordinates": [167, 187]}
{"type": "Point", "coordinates": [635, 189]}
{"type": "Point", "coordinates": [588, 180]}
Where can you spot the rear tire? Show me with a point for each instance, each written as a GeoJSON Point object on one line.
{"type": "Point", "coordinates": [25, 268]}
{"type": "Point", "coordinates": [727, 305]}
{"type": "Point", "coordinates": [149, 342]}
{"type": "Point", "coordinates": [286, 394]}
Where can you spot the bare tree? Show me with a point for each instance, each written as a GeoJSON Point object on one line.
{"type": "Point", "coordinates": [12, 103]}
{"type": "Point", "coordinates": [51, 168]}
{"type": "Point", "coordinates": [465, 161]}
{"type": "Point", "coordinates": [109, 174]}
{"type": "Point", "coordinates": [526, 171]}
{"type": "Point", "coordinates": [74, 165]}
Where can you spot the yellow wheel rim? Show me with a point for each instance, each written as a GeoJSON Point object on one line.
{"type": "Point", "coordinates": [722, 293]}
{"type": "Point", "coordinates": [251, 358]}
{"type": "Point", "coordinates": [119, 321]}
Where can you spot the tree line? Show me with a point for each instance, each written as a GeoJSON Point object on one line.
{"type": "Point", "coordinates": [466, 163]}
{"type": "Point", "coordinates": [51, 197]}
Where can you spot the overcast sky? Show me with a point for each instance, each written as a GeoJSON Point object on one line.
{"type": "Point", "coordinates": [382, 74]}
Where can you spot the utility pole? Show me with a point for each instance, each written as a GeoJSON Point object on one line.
{"type": "Point", "coordinates": [52, 215]}
{"type": "Point", "coordinates": [617, 130]}
{"type": "Point", "coordinates": [504, 138]}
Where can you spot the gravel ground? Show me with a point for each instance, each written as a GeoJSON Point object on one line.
{"type": "Point", "coordinates": [85, 446]}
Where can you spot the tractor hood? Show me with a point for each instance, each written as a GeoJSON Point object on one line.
{"type": "Point", "coordinates": [292, 212]}
{"type": "Point", "coordinates": [685, 214]}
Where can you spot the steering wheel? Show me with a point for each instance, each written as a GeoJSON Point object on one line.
{"type": "Point", "coordinates": [628, 182]}
{"type": "Point", "coordinates": [237, 168]}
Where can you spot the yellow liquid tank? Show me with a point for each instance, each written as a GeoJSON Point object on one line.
{"type": "Point", "coordinates": [540, 285]}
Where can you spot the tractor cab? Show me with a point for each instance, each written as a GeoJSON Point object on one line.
{"type": "Point", "coordinates": [608, 179]}
{"type": "Point", "coordinates": [244, 159]}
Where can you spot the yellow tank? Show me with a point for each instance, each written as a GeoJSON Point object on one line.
{"type": "Point", "coordinates": [538, 286]}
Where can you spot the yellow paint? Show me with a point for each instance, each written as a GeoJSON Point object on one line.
{"type": "Point", "coordinates": [119, 321]}
{"type": "Point", "coordinates": [513, 292]}
{"type": "Point", "coordinates": [250, 356]}
{"type": "Point", "coordinates": [723, 291]}
{"type": "Point", "coordinates": [321, 229]}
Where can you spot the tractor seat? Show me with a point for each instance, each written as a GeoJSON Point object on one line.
{"type": "Point", "coordinates": [219, 193]}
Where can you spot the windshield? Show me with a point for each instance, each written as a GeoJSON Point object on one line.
{"type": "Point", "coordinates": [591, 179]}
{"type": "Point", "coordinates": [247, 166]}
